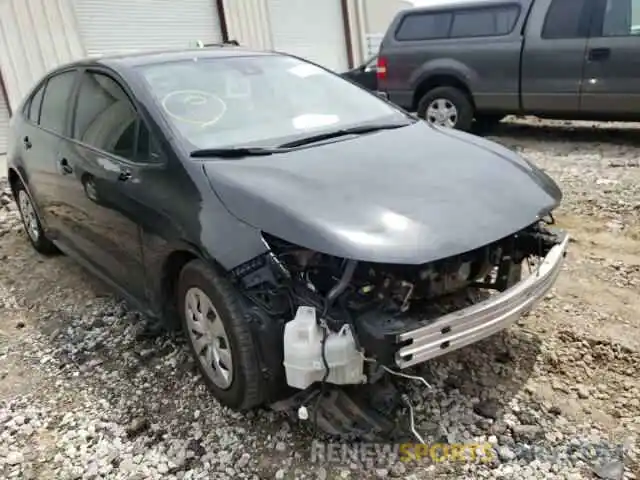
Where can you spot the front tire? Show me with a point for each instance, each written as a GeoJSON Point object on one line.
{"type": "Point", "coordinates": [31, 222]}
{"type": "Point", "coordinates": [219, 336]}
{"type": "Point", "coordinates": [447, 107]}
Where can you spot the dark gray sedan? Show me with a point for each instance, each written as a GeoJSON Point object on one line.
{"type": "Point", "coordinates": [301, 230]}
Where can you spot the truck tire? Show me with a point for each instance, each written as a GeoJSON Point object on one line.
{"type": "Point", "coordinates": [219, 336]}
{"type": "Point", "coordinates": [447, 107]}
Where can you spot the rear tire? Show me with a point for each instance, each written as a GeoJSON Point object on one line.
{"type": "Point", "coordinates": [453, 100]}
{"type": "Point", "coordinates": [31, 222]}
{"type": "Point", "coordinates": [225, 353]}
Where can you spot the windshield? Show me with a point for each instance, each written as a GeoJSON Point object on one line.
{"type": "Point", "coordinates": [262, 100]}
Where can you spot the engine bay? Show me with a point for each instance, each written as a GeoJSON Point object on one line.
{"type": "Point", "coordinates": [378, 301]}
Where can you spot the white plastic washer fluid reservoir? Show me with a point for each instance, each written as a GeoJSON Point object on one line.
{"type": "Point", "coordinates": [303, 353]}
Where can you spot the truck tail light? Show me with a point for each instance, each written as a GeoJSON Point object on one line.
{"type": "Point", "coordinates": [381, 68]}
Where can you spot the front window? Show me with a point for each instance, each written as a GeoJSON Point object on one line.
{"type": "Point", "coordinates": [261, 100]}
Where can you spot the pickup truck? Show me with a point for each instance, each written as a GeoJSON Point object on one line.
{"type": "Point", "coordinates": [364, 75]}
{"type": "Point", "coordinates": [476, 61]}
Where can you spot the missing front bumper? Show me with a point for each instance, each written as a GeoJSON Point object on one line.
{"type": "Point", "coordinates": [479, 321]}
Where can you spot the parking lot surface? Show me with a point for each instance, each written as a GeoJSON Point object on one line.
{"type": "Point", "coordinates": [83, 395]}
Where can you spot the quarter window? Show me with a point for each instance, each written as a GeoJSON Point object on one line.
{"type": "Point", "coordinates": [477, 22]}
{"type": "Point", "coordinates": [106, 119]}
{"type": "Point", "coordinates": [33, 112]}
{"type": "Point", "coordinates": [55, 104]}
{"type": "Point", "coordinates": [485, 22]}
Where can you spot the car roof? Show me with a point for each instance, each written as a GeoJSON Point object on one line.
{"type": "Point", "coordinates": [128, 60]}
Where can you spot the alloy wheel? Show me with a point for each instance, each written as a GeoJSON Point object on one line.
{"type": "Point", "coordinates": [29, 216]}
{"type": "Point", "coordinates": [442, 112]}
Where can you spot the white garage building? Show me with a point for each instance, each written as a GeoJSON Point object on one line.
{"type": "Point", "coordinates": [38, 35]}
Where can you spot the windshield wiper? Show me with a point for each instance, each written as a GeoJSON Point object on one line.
{"type": "Point", "coordinates": [234, 152]}
{"type": "Point", "coordinates": [341, 133]}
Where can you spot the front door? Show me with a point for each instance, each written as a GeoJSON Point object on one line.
{"type": "Point", "coordinates": [612, 70]}
{"type": "Point", "coordinates": [106, 158]}
{"type": "Point", "coordinates": [554, 55]}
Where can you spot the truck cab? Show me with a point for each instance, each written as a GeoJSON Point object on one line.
{"type": "Point", "coordinates": [476, 61]}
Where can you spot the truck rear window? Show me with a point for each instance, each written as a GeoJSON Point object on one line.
{"type": "Point", "coordinates": [496, 20]}
{"type": "Point", "coordinates": [424, 26]}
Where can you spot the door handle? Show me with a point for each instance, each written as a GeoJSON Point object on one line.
{"type": "Point", "coordinates": [124, 175]}
{"type": "Point", "coordinates": [65, 166]}
{"type": "Point", "coordinates": [27, 143]}
{"type": "Point", "coordinates": [599, 54]}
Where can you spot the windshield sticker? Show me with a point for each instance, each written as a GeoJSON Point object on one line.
{"type": "Point", "coordinates": [194, 106]}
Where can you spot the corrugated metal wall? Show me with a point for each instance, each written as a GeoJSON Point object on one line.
{"type": "Point", "coordinates": [35, 36]}
{"type": "Point", "coordinates": [311, 30]}
{"type": "Point", "coordinates": [247, 22]}
{"type": "Point", "coordinates": [118, 26]}
{"type": "Point", "coordinates": [38, 35]}
{"type": "Point", "coordinates": [4, 124]}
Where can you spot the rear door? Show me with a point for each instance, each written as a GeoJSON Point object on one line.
{"type": "Point", "coordinates": [46, 121]}
{"type": "Point", "coordinates": [612, 70]}
{"type": "Point", "coordinates": [554, 55]}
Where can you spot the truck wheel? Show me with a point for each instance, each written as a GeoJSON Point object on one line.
{"type": "Point", "coordinates": [31, 222]}
{"type": "Point", "coordinates": [219, 336]}
{"type": "Point", "coordinates": [447, 107]}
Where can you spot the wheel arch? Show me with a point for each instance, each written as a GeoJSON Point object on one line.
{"type": "Point", "coordinates": [441, 80]}
{"type": "Point", "coordinates": [172, 263]}
{"type": "Point", "coordinates": [16, 176]}
{"type": "Point", "coordinates": [14, 179]}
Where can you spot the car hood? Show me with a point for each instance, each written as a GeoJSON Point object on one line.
{"type": "Point", "coordinates": [410, 195]}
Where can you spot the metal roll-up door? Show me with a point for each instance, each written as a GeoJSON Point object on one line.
{"type": "Point", "coordinates": [115, 26]}
{"type": "Point", "coordinates": [4, 123]}
{"type": "Point", "coordinates": [310, 29]}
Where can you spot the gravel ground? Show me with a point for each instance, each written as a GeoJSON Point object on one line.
{"type": "Point", "coordinates": [85, 393]}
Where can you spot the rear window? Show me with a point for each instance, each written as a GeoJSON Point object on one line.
{"type": "Point", "coordinates": [486, 22]}
{"type": "Point", "coordinates": [424, 26]}
{"type": "Point", "coordinates": [496, 20]}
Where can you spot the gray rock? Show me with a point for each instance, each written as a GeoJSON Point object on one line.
{"type": "Point", "coordinates": [381, 473]}
{"type": "Point", "coordinates": [487, 408]}
{"type": "Point", "coordinates": [582, 391]}
{"type": "Point", "coordinates": [506, 454]}
{"type": "Point", "coordinates": [526, 433]}
{"type": "Point", "coordinates": [610, 471]}
{"type": "Point", "coordinates": [243, 461]}
{"type": "Point", "coordinates": [14, 458]}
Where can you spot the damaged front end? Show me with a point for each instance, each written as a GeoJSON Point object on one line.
{"type": "Point", "coordinates": [347, 322]}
